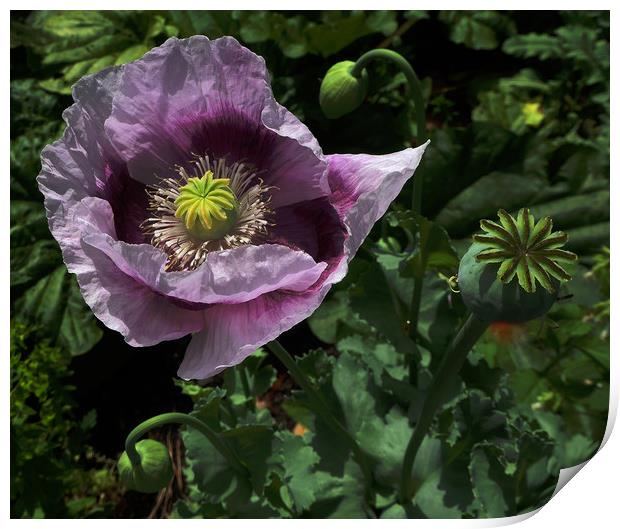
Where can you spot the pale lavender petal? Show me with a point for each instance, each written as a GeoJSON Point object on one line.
{"type": "Point", "coordinates": [123, 304]}
{"type": "Point", "coordinates": [233, 332]}
{"type": "Point", "coordinates": [211, 97]}
{"type": "Point", "coordinates": [84, 163]}
{"type": "Point", "coordinates": [142, 316]}
{"type": "Point", "coordinates": [364, 185]}
{"type": "Point", "coordinates": [229, 276]}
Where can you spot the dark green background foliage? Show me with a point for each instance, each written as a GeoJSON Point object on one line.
{"type": "Point", "coordinates": [518, 113]}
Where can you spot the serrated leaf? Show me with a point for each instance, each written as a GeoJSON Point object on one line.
{"type": "Point", "coordinates": [216, 480]}
{"type": "Point", "coordinates": [441, 490]}
{"type": "Point", "coordinates": [492, 486]}
{"type": "Point", "coordinates": [386, 441]}
{"type": "Point", "coordinates": [350, 382]}
{"type": "Point", "coordinates": [298, 459]}
{"type": "Point", "coordinates": [537, 45]}
{"type": "Point", "coordinates": [340, 496]}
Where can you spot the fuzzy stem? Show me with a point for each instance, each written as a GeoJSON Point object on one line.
{"type": "Point", "coordinates": [321, 408]}
{"type": "Point", "coordinates": [182, 418]}
{"type": "Point", "coordinates": [449, 367]}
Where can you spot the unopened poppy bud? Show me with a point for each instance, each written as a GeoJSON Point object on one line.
{"type": "Point", "coordinates": [152, 473]}
{"type": "Point", "coordinates": [341, 92]}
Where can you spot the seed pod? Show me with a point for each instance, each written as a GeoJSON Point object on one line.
{"type": "Point", "coordinates": [490, 300]}
{"type": "Point", "coordinates": [499, 272]}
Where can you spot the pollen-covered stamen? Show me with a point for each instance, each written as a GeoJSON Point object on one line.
{"type": "Point", "coordinates": [526, 249]}
{"type": "Point", "coordinates": [191, 214]}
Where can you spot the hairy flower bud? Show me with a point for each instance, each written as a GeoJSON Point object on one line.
{"type": "Point", "coordinates": [154, 471]}
{"type": "Point", "coordinates": [341, 92]}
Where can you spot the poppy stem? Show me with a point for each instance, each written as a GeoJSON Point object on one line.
{"type": "Point", "coordinates": [182, 418]}
{"type": "Point", "coordinates": [415, 91]}
{"type": "Point", "coordinates": [321, 409]}
{"type": "Point", "coordinates": [469, 333]}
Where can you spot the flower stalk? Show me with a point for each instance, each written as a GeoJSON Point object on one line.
{"type": "Point", "coordinates": [415, 91]}
{"type": "Point", "coordinates": [182, 418]}
{"type": "Point", "coordinates": [449, 367]}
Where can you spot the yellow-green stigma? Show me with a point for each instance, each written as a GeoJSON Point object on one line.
{"type": "Point", "coordinates": [207, 206]}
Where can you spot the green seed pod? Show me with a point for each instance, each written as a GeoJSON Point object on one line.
{"type": "Point", "coordinates": [498, 274]}
{"type": "Point", "coordinates": [341, 92]}
{"type": "Point", "coordinates": [154, 471]}
{"type": "Point", "coordinates": [490, 300]}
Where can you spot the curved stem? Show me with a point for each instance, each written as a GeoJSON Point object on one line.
{"type": "Point", "coordinates": [415, 90]}
{"type": "Point", "coordinates": [182, 418]}
{"type": "Point", "coordinates": [321, 408]}
{"type": "Point", "coordinates": [450, 365]}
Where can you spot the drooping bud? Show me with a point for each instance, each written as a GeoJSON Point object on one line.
{"type": "Point", "coordinates": [341, 92]}
{"type": "Point", "coordinates": [154, 470]}
{"type": "Point", "coordinates": [208, 207]}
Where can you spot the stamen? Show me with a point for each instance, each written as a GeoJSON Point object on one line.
{"type": "Point", "coordinates": [186, 247]}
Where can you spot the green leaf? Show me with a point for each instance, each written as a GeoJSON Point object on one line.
{"type": "Point", "coordinates": [541, 46]}
{"type": "Point", "coordinates": [479, 30]}
{"type": "Point", "coordinates": [88, 41]}
{"type": "Point", "coordinates": [56, 306]}
{"type": "Point", "coordinates": [485, 197]}
{"type": "Point", "coordinates": [340, 496]}
{"type": "Point", "coordinates": [33, 253]}
{"type": "Point", "coordinates": [492, 487]}
{"type": "Point", "coordinates": [298, 460]}
{"type": "Point", "coordinates": [46, 295]}
{"type": "Point", "coordinates": [250, 379]}
{"type": "Point", "coordinates": [297, 36]}
{"type": "Point", "coordinates": [441, 488]}
{"type": "Point", "coordinates": [334, 319]}
{"type": "Point", "coordinates": [217, 482]}
{"type": "Point", "coordinates": [433, 250]}
{"type": "Point", "coordinates": [211, 23]}
{"type": "Point", "coordinates": [460, 157]}
{"type": "Point", "coordinates": [350, 382]}
{"type": "Point", "coordinates": [129, 54]}
{"type": "Point", "coordinates": [375, 302]}
{"type": "Point", "coordinates": [386, 441]}
{"type": "Point", "coordinates": [380, 357]}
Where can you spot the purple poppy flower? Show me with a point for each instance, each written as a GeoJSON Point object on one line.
{"type": "Point", "coordinates": [187, 200]}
